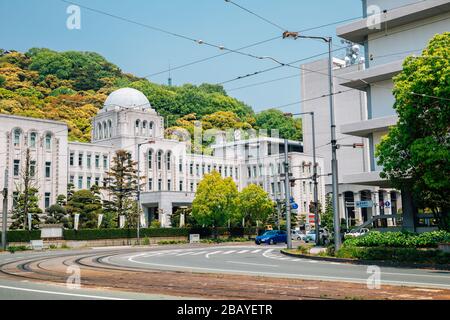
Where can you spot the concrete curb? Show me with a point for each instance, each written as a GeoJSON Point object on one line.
{"type": "Point", "coordinates": [369, 262]}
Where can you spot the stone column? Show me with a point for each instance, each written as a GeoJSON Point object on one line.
{"type": "Point", "coordinates": [358, 213]}
{"type": "Point", "coordinates": [388, 210]}
{"type": "Point", "coordinates": [165, 214]}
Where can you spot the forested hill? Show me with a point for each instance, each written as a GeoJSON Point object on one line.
{"type": "Point", "coordinates": [71, 86]}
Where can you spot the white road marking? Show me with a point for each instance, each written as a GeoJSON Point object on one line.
{"type": "Point", "coordinates": [253, 264]}
{"type": "Point", "coordinates": [243, 251]}
{"type": "Point", "coordinates": [228, 252]}
{"type": "Point", "coordinates": [211, 253]}
{"type": "Point", "coordinates": [60, 293]}
{"type": "Point", "coordinates": [185, 253]}
{"type": "Point", "coordinates": [199, 253]}
{"type": "Point", "coordinates": [256, 251]}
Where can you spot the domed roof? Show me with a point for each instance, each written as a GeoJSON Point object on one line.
{"type": "Point", "coordinates": [127, 98]}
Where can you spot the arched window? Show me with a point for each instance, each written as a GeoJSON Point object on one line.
{"type": "Point", "coordinates": [150, 159]}
{"type": "Point", "coordinates": [17, 134]}
{"type": "Point", "coordinates": [144, 128]}
{"type": "Point", "coordinates": [150, 128]}
{"type": "Point", "coordinates": [105, 130]}
{"type": "Point", "coordinates": [99, 131]}
{"type": "Point", "coordinates": [33, 138]}
{"type": "Point", "coordinates": [159, 160]}
{"type": "Point", "coordinates": [137, 127]}
{"type": "Point", "coordinates": [110, 128]}
{"type": "Point", "coordinates": [48, 141]}
{"type": "Point", "coordinates": [168, 160]}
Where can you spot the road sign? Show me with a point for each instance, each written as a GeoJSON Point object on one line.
{"type": "Point", "coordinates": [387, 204]}
{"type": "Point", "coordinates": [364, 204]}
{"type": "Point", "coordinates": [291, 199]}
{"type": "Point", "coordinates": [294, 206]}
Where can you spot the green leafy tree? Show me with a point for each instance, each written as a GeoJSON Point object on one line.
{"type": "Point", "coordinates": [88, 205]}
{"type": "Point", "coordinates": [254, 204]}
{"type": "Point", "coordinates": [327, 217]}
{"type": "Point", "coordinates": [189, 220]}
{"type": "Point", "coordinates": [215, 201]}
{"type": "Point", "coordinates": [57, 214]}
{"type": "Point", "coordinates": [121, 183]}
{"type": "Point", "coordinates": [415, 154]}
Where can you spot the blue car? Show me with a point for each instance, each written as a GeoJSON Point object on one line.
{"type": "Point", "coordinates": [272, 237]}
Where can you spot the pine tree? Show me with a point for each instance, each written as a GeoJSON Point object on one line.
{"type": "Point", "coordinates": [27, 200]}
{"type": "Point", "coordinates": [121, 183]}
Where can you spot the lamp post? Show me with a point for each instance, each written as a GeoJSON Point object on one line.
{"type": "Point", "coordinates": [334, 162]}
{"type": "Point", "coordinates": [138, 194]}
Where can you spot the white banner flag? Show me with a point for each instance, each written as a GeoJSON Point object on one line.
{"type": "Point", "coordinates": [121, 222]}
{"type": "Point", "coordinates": [142, 220]}
{"type": "Point", "coordinates": [30, 221]}
{"type": "Point", "coordinates": [76, 219]}
{"type": "Point", "coordinates": [100, 218]}
{"type": "Point", "coordinates": [182, 220]}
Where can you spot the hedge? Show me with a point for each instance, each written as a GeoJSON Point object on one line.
{"type": "Point", "coordinates": [97, 234]}
{"type": "Point", "coordinates": [22, 235]}
{"type": "Point", "coordinates": [409, 255]}
{"type": "Point", "coordinates": [399, 239]}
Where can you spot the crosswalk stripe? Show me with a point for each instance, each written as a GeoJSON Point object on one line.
{"type": "Point", "coordinates": [199, 253]}
{"type": "Point", "coordinates": [184, 253]}
{"type": "Point", "coordinates": [256, 251]}
{"type": "Point", "coordinates": [243, 251]}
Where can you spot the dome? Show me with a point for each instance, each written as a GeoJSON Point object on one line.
{"type": "Point", "coordinates": [127, 98]}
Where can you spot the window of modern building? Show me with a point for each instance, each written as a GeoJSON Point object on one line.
{"type": "Point", "coordinates": [97, 161]}
{"type": "Point", "coordinates": [181, 185]}
{"type": "Point", "coordinates": [191, 169]}
{"type": "Point", "coordinates": [47, 200]}
{"type": "Point", "coordinates": [71, 159]}
{"type": "Point", "coordinates": [32, 168]}
{"type": "Point", "coordinates": [80, 182]}
{"type": "Point", "coordinates": [97, 181]}
{"type": "Point", "coordinates": [88, 182]}
{"type": "Point", "coordinates": [159, 184]}
{"type": "Point", "coordinates": [88, 160]}
{"type": "Point", "coordinates": [150, 184]}
{"type": "Point", "coordinates": [15, 197]}
{"type": "Point", "coordinates": [150, 159]}
{"type": "Point", "coordinates": [169, 185]}
{"type": "Point", "coordinates": [48, 141]}
{"type": "Point", "coordinates": [80, 159]}
{"type": "Point", "coordinates": [17, 134]}
{"type": "Point", "coordinates": [33, 137]}
{"type": "Point", "coordinates": [105, 161]}
{"type": "Point", "coordinates": [16, 168]}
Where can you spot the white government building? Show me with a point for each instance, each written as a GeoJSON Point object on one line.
{"type": "Point", "coordinates": [171, 171]}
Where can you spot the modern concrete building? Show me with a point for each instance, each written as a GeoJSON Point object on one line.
{"type": "Point", "coordinates": [389, 31]}
{"type": "Point", "coordinates": [170, 168]}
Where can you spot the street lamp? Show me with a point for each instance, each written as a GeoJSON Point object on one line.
{"type": "Point", "coordinates": [138, 194]}
{"type": "Point", "coordinates": [334, 163]}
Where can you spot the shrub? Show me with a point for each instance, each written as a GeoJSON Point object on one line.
{"type": "Point", "coordinates": [411, 255]}
{"type": "Point", "coordinates": [155, 224]}
{"type": "Point", "coordinates": [13, 249]}
{"type": "Point", "coordinates": [95, 234]}
{"type": "Point", "coordinates": [165, 242]}
{"type": "Point", "coordinates": [399, 239]}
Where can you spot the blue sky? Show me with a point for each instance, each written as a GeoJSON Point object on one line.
{"type": "Point", "coordinates": [42, 23]}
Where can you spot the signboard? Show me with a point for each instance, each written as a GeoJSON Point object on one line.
{"type": "Point", "coordinates": [121, 222]}
{"type": "Point", "coordinates": [294, 206]}
{"type": "Point", "coordinates": [194, 238]}
{"type": "Point", "coordinates": [76, 220]}
{"type": "Point", "coordinates": [364, 204]}
{"type": "Point", "coordinates": [387, 204]}
{"type": "Point", "coordinates": [99, 222]}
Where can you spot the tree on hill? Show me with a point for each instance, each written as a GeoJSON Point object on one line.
{"type": "Point", "coordinates": [215, 201]}
{"type": "Point", "coordinates": [415, 154]}
{"type": "Point", "coordinates": [288, 127]}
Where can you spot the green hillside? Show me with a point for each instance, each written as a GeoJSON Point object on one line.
{"type": "Point", "coordinates": [71, 86]}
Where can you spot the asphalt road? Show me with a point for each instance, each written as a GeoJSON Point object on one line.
{"type": "Point", "coordinates": [268, 261]}
{"type": "Point", "coordinates": [234, 259]}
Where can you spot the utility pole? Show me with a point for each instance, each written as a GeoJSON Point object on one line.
{"type": "Point", "coordinates": [5, 210]}
{"type": "Point", "coordinates": [334, 163]}
{"type": "Point", "coordinates": [287, 193]}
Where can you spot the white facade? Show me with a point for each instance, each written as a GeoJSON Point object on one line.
{"type": "Point", "coordinates": [171, 172]}
{"type": "Point", "coordinates": [403, 28]}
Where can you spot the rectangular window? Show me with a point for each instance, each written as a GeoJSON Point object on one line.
{"type": "Point", "coordinates": [88, 160]}
{"type": "Point", "coordinates": [71, 159]}
{"type": "Point", "coordinates": [97, 161]}
{"type": "Point", "coordinates": [159, 184]}
{"type": "Point", "coordinates": [80, 182]}
{"type": "Point", "coordinates": [71, 179]}
{"type": "Point", "coordinates": [48, 142]}
{"type": "Point", "coordinates": [191, 169]}
{"type": "Point", "coordinates": [203, 169]}
{"type": "Point", "coordinates": [209, 168]}
{"type": "Point", "coordinates": [33, 140]}
{"type": "Point", "coordinates": [150, 184]}
{"type": "Point", "coordinates": [180, 165]}
{"type": "Point", "coordinates": [105, 162]}
{"type": "Point", "coordinates": [47, 200]}
{"type": "Point", "coordinates": [48, 169]}
{"type": "Point", "coordinates": [197, 170]}
{"type": "Point", "coordinates": [97, 181]}
{"type": "Point", "coordinates": [192, 187]}
{"type": "Point", "coordinates": [80, 159]}
{"type": "Point", "coordinates": [272, 188]}
{"type": "Point", "coordinates": [32, 168]}
{"type": "Point", "coordinates": [88, 182]}
{"type": "Point", "coordinates": [236, 173]}
{"type": "Point", "coordinates": [169, 185]}
{"type": "Point", "coordinates": [249, 172]}
{"type": "Point", "coordinates": [255, 174]}
{"type": "Point", "coordinates": [16, 168]}
{"type": "Point", "coordinates": [220, 170]}
{"type": "Point", "coordinates": [181, 186]}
